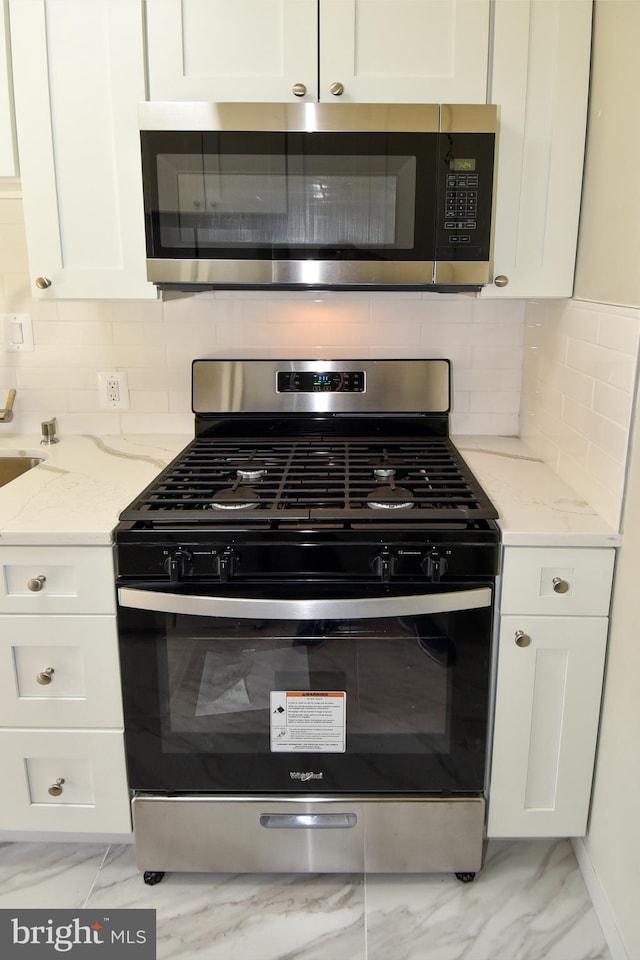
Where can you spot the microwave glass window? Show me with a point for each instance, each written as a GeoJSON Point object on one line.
{"type": "Point", "coordinates": [211, 201]}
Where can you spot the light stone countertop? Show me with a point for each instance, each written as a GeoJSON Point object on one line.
{"type": "Point", "coordinates": [76, 495]}
{"type": "Point", "coordinates": [536, 508]}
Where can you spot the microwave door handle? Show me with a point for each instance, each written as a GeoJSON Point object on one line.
{"type": "Point", "coordinates": [357, 608]}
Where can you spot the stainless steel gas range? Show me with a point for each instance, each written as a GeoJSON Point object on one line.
{"type": "Point", "coordinates": [305, 607]}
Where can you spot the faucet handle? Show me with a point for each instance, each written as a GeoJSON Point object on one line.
{"type": "Point", "coordinates": [6, 415]}
{"type": "Point", "coordinates": [48, 428]}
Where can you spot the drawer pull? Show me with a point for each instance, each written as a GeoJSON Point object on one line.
{"type": "Point", "coordinates": [306, 821]}
{"type": "Point", "coordinates": [46, 676]}
{"type": "Point", "coordinates": [56, 788]}
{"type": "Point", "coordinates": [559, 585]}
{"type": "Point", "coordinates": [36, 583]}
{"type": "Point", "coordinates": [522, 639]}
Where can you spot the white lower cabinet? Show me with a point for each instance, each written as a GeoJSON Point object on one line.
{"type": "Point", "coordinates": [61, 723]}
{"type": "Point", "coordinates": [64, 781]}
{"type": "Point", "coordinates": [551, 657]}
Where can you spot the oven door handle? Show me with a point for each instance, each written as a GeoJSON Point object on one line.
{"type": "Point", "coordinates": [356, 608]}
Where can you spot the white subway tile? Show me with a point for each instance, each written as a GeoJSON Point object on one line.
{"type": "Point", "coordinates": [580, 323]}
{"type": "Point", "coordinates": [620, 330]}
{"type": "Point", "coordinates": [496, 357]}
{"type": "Point", "coordinates": [616, 405]}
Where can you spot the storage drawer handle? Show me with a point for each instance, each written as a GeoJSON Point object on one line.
{"type": "Point", "coordinates": [560, 585]}
{"type": "Point", "coordinates": [46, 676]}
{"type": "Point", "coordinates": [306, 821]}
{"type": "Point", "coordinates": [56, 788]}
{"type": "Point", "coordinates": [36, 583]}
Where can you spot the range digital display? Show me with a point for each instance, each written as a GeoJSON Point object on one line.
{"type": "Point", "coordinates": [330, 381]}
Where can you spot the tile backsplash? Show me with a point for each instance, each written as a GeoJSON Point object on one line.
{"type": "Point", "coordinates": [579, 385]}
{"type": "Point", "coordinates": [155, 342]}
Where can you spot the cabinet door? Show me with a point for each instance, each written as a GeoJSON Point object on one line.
{"type": "Point", "coordinates": [78, 73]}
{"type": "Point", "coordinates": [405, 51]}
{"type": "Point", "coordinates": [232, 50]}
{"type": "Point", "coordinates": [540, 82]}
{"type": "Point", "coordinates": [8, 166]}
{"type": "Point", "coordinates": [546, 724]}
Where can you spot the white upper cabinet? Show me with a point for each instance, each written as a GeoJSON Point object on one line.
{"type": "Point", "coordinates": [232, 50]}
{"type": "Point", "coordinates": [78, 75]}
{"type": "Point", "coordinates": [404, 51]}
{"type": "Point", "coordinates": [375, 51]}
{"type": "Point", "coordinates": [540, 82]}
{"type": "Point", "coordinates": [8, 166]}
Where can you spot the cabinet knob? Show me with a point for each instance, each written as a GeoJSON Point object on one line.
{"type": "Point", "coordinates": [56, 788]}
{"type": "Point", "coordinates": [46, 676]}
{"type": "Point", "coordinates": [522, 639]}
{"type": "Point", "coordinates": [42, 283]}
{"type": "Point", "coordinates": [559, 585]}
{"type": "Point", "coordinates": [501, 280]}
{"type": "Point", "coordinates": [336, 89]}
{"type": "Point", "coordinates": [36, 583]}
{"type": "Point", "coordinates": [298, 89]}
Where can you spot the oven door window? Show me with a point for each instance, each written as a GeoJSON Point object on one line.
{"type": "Point", "coordinates": [289, 195]}
{"type": "Point", "coordinates": [391, 704]}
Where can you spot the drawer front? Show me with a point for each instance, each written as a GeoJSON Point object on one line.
{"type": "Point", "coordinates": [557, 581]}
{"type": "Point", "coordinates": [67, 781]}
{"type": "Point", "coordinates": [56, 580]}
{"type": "Point", "coordinates": [59, 672]}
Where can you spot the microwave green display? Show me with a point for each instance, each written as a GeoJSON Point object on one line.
{"type": "Point", "coordinates": [463, 164]}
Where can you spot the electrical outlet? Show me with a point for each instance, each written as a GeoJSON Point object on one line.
{"type": "Point", "coordinates": [113, 391]}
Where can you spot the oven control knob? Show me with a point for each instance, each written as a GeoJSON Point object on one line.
{"type": "Point", "coordinates": [226, 562]}
{"type": "Point", "coordinates": [384, 565]}
{"type": "Point", "coordinates": [434, 565]}
{"type": "Point", "coordinates": [178, 565]}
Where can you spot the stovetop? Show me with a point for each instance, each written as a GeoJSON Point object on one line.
{"type": "Point", "coordinates": [401, 480]}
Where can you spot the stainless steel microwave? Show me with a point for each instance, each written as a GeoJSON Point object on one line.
{"type": "Point", "coordinates": [322, 196]}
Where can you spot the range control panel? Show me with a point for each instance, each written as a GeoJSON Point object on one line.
{"type": "Point", "coordinates": [324, 381]}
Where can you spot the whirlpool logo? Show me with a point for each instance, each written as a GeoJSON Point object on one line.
{"type": "Point", "coordinates": [81, 933]}
{"type": "Point", "coordinates": [299, 775]}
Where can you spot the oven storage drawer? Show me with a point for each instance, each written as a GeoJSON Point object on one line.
{"type": "Point", "coordinates": [285, 835]}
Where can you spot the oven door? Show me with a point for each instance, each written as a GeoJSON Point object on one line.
{"type": "Point", "coordinates": [306, 688]}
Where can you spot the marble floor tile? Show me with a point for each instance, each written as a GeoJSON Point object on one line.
{"type": "Point", "coordinates": [241, 917]}
{"type": "Point", "coordinates": [529, 902]}
{"type": "Point", "coordinates": [48, 874]}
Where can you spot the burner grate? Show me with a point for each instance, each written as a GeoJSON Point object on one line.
{"type": "Point", "coordinates": [313, 478]}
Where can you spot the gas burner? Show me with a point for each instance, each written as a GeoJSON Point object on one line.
{"type": "Point", "coordinates": [251, 471]}
{"type": "Point", "coordinates": [390, 498]}
{"type": "Point", "coordinates": [384, 472]}
{"type": "Point", "coordinates": [235, 498]}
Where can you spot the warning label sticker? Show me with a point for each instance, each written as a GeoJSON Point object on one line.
{"type": "Point", "coordinates": [308, 721]}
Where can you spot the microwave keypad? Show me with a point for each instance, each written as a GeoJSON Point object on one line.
{"type": "Point", "coordinates": [461, 205]}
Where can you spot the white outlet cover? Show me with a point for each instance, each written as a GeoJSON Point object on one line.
{"type": "Point", "coordinates": [119, 377]}
{"type": "Point", "coordinates": [17, 332]}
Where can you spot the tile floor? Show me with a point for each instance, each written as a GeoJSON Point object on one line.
{"type": "Point", "coordinates": [528, 903]}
